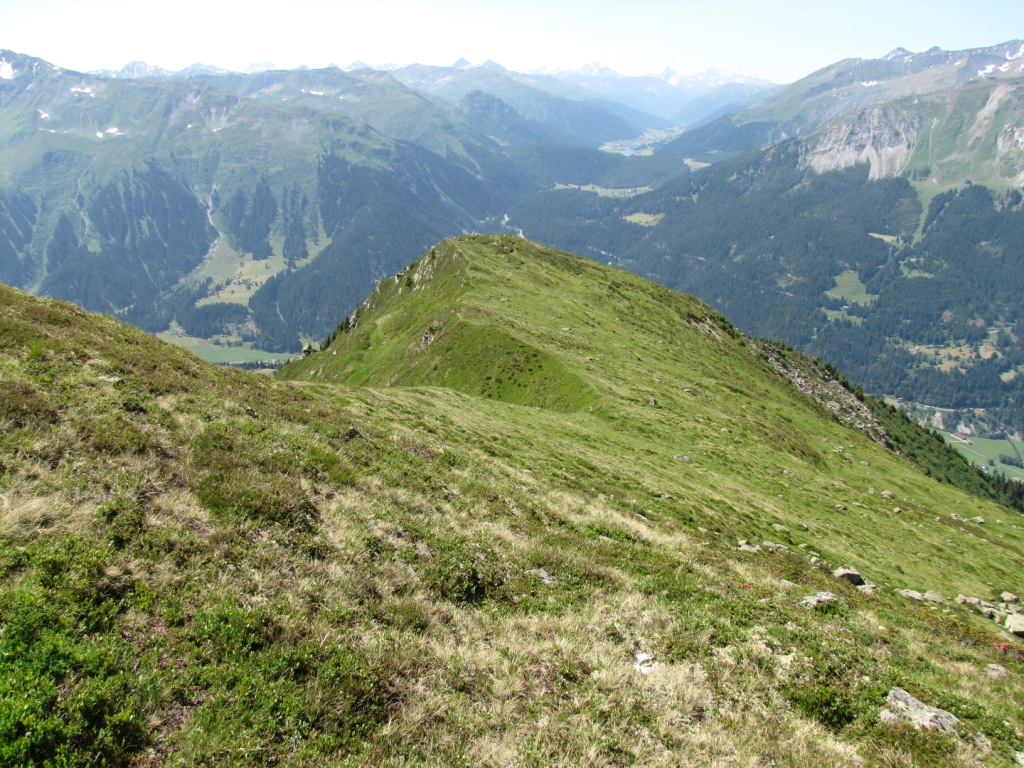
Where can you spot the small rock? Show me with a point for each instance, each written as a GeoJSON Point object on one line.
{"type": "Point", "coordinates": [1018, 758]}
{"type": "Point", "coordinates": [780, 528]}
{"type": "Point", "coordinates": [644, 663]}
{"type": "Point", "coordinates": [997, 671]}
{"type": "Point", "coordinates": [840, 507]}
{"type": "Point", "coordinates": [682, 457]}
{"type": "Point", "coordinates": [933, 597]}
{"type": "Point", "coordinates": [1009, 597]}
{"type": "Point", "coordinates": [912, 595]}
{"type": "Point", "coordinates": [819, 599]}
{"type": "Point", "coordinates": [652, 401]}
{"type": "Point", "coordinates": [543, 575]}
{"type": "Point", "coordinates": [906, 707]}
{"type": "Point", "coordinates": [981, 743]}
{"type": "Point", "coordinates": [850, 575]}
{"type": "Point", "coordinates": [868, 588]}
{"type": "Point", "coordinates": [979, 520]}
{"type": "Point", "coordinates": [1015, 624]}
{"type": "Point", "coordinates": [888, 717]}
{"type": "Point", "coordinates": [887, 494]}
{"type": "Point", "coordinates": [956, 517]}
{"type": "Point", "coordinates": [961, 599]}
{"type": "Point", "coordinates": [111, 379]}
{"type": "Point", "coordinates": [772, 547]}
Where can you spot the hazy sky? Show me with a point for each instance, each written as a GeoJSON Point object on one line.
{"type": "Point", "coordinates": [780, 41]}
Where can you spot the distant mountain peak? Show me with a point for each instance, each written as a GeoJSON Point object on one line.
{"type": "Point", "coordinates": [260, 66]}
{"type": "Point", "coordinates": [897, 53]}
{"type": "Point", "coordinates": [202, 69]}
{"type": "Point", "coordinates": [461, 64]}
{"type": "Point", "coordinates": [594, 68]}
{"type": "Point", "coordinates": [136, 69]}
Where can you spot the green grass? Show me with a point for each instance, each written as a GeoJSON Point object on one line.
{"type": "Point", "coordinates": [220, 353]}
{"type": "Point", "coordinates": [850, 288]}
{"type": "Point", "coordinates": [606, 191]}
{"type": "Point", "coordinates": [984, 451]}
{"type": "Point", "coordinates": [200, 566]}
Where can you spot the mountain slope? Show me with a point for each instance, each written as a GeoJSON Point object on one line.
{"type": "Point", "coordinates": [851, 87]}
{"type": "Point", "coordinates": [233, 208]}
{"type": "Point", "coordinates": [823, 240]}
{"type": "Point", "coordinates": [615, 357]}
{"type": "Point", "coordinates": [202, 566]}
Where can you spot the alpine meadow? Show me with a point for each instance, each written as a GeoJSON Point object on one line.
{"type": "Point", "coordinates": [671, 496]}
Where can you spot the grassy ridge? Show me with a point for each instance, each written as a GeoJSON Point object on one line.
{"type": "Point", "coordinates": [199, 566]}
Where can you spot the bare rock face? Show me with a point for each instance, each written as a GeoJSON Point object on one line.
{"type": "Point", "coordinates": [880, 136]}
{"type": "Point", "coordinates": [903, 706]}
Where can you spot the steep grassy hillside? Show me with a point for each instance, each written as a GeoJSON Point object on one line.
{"type": "Point", "coordinates": [199, 566]}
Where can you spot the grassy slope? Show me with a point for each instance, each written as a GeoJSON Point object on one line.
{"type": "Point", "coordinates": [198, 565]}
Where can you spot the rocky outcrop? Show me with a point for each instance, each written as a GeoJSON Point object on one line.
{"type": "Point", "coordinates": [850, 575]}
{"type": "Point", "coordinates": [1015, 624]}
{"type": "Point", "coordinates": [822, 386]}
{"type": "Point", "coordinates": [882, 137]}
{"type": "Point", "coordinates": [903, 706]}
{"type": "Point", "coordinates": [998, 612]}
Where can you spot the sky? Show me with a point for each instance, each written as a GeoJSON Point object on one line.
{"type": "Point", "coordinates": [781, 41]}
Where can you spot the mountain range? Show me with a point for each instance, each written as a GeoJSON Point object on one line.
{"type": "Point", "coordinates": [242, 214]}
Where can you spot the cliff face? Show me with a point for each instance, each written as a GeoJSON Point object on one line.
{"type": "Point", "coordinates": [881, 136]}
{"type": "Point", "coordinates": [975, 133]}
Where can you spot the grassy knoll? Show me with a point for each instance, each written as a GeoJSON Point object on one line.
{"type": "Point", "coordinates": [429, 567]}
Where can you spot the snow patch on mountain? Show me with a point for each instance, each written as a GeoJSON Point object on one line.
{"type": "Point", "coordinates": [6, 70]}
